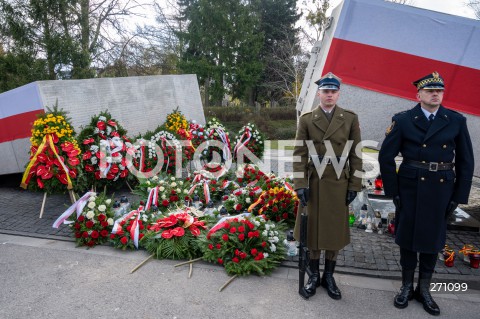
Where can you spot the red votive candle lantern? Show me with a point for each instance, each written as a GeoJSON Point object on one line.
{"type": "Point", "coordinates": [474, 258]}
{"type": "Point", "coordinates": [449, 256]}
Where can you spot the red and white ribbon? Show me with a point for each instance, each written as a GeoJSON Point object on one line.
{"type": "Point", "coordinates": [241, 144]}
{"type": "Point", "coordinates": [221, 223]}
{"type": "Point", "coordinates": [78, 206]}
{"type": "Point", "coordinates": [152, 198]}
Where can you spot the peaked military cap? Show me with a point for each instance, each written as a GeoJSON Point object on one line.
{"type": "Point", "coordinates": [329, 82]}
{"type": "Point", "coordinates": [430, 82]}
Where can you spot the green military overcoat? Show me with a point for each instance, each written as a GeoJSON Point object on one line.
{"type": "Point", "coordinates": [327, 209]}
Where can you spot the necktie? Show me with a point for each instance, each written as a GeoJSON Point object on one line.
{"type": "Point", "coordinates": [430, 119]}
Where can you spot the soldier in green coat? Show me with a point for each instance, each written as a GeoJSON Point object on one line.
{"type": "Point", "coordinates": [327, 138]}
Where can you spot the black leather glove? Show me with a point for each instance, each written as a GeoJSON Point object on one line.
{"type": "Point", "coordinates": [450, 209]}
{"type": "Point", "coordinates": [396, 202]}
{"type": "Point", "coordinates": [350, 196]}
{"type": "Point", "coordinates": [302, 194]}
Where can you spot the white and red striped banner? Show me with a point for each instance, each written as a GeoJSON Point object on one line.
{"type": "Point", "coordinates": [384, 47]}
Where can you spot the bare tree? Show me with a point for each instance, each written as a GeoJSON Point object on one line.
{"type": "Point", "coordinates": [475, 6]}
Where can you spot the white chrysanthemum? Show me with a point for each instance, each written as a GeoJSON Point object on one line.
{"type": "Point", "coordinates": [185, 191]}
{"type": "Point", "coordinates": [161, 188]}
{"type": "Point", "coordinates": [265, 233]}
{"type": "Point", "coordinates": [271, 233]}
{"type": "Point", "coordinates": [265, 255]}
{"type": "Point", "coordinates": [267, 226]}
{"type": "Point", "coordinates": [161, 182]}
{"type": "Point", "coordinates": [90, 214]}
{"type": "Point", "coordinates": [273, 248]}
{"type": "Point", "coordinates": [256, 222]}
{"type": "Point", "coordinates": [110, 221]}
{"type": "Point", "coordinates": [164, 196]}
{"type": "Point", "coordinates": [248, 200]}
{"type": "Point", "coordinates": [178, 190]}
{"type": "Point", "coordinates": [108, 201]}
{"type": "Point", "coordinates": [96, 130]}
{"type": "Point", "coordinates": [102, 118]}
{"type": "Point", "coordinates": [173, 184]}
{"type": "Point", "coordinates": [93, 160]}
{"type": "Point", "coordinates": [91, 205]}
{"type": "Point", "coordinates": [102, 208]}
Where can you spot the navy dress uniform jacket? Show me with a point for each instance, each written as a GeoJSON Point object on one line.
{"type": "Point", "coordinates": [425, 194]}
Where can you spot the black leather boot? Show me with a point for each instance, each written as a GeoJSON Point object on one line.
{"type": "Point", "coordinates": [422, 294]}
{"type": "Point", "coordinates": [406, 291]}
{"type": "Point", "coordinates": [328, 282]}
{"type": "Point", "coordinates": [314, 279]}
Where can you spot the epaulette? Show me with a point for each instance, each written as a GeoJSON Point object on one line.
{"type": "Point", "coordinates": [400, 113]}
{"type": "Point", "coordinates": [306, 113]}
{"type": "Point", "coordinates": [350, 111]}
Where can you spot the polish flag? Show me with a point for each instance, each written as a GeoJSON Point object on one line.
{"type": "Point", "coordinates": [18, 110]}
{"type": "Point", "coordinates": [384, 47]}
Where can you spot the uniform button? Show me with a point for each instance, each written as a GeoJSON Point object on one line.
{"type": "Point", "coordinates": [444, 146]}
{"type": "Point", "coordinates": [423, 162]}
{"type": "Point", "coordinates": [424, 145]}
{"type": "Point", "coordinates": [423, 178]}
{"type": "Point", "coordinates": [441, 180]}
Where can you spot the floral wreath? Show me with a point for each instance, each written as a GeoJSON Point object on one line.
{"type": "Point", "coordinates": [216, 132]}
{"type": "Point", "coordinates": [249, 138]}
{"type": "Point", "coordinates": [244, 244]}
{"type": "Point", "coordinates": [53, 154]}
{"type": "Point", "coordinates": [104, 147]}
{"type": "Point", "coordinates": [177, 124]}
{"type": "Point", "coordinates": [174, 236]}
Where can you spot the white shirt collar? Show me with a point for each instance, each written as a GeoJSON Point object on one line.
{"type": "Point", "coordinates": [427, 114]}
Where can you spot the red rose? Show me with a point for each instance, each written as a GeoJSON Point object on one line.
{"type": "Point", "coordinates": [81, 218]}
{"type": "Point", "coordinates": [251, 234]}
{"type": "Point", "coordinates": [253, 252]}
{"type": "Point", "coordinates": [101, 217]}
{"type": "Point", "coordinates": [225, 237]}
{"type": "Point", "coordinates": [238, 207]}
{"type": "Point", "coordinates": [210, 246]}
{"type": "Point", "coordinates": [220, 261]}
{"type": "Point", "coordinates": [124, 240]}
{"type": "Point", "coordinates": [243, 255]}
{"type": "Point", "coordinates": [140, 236]}
{"type": "Point", "coordinates": [264, 244]}
{"type": "Point", "coordinates": [241, 229]}
{"type": "Point", "coordinates": [77, 226]}
{"type": "Point", "coordinates": [112, 236]}
{"type": "Point", "coordinates": [285, 215]}
{"type": "Point", "coordinates": [235, 260]}
{"type": "Point", "coordinates": [104, 233]}
{"type": "Point", "coordinates": [85, 234]}
{"type": "Point", "coordinates": [275, 209]}
{"type": "Point", "coordinates": [259, 256]}
{"type": "Point", "coordinates": [94, 234]}
{"type": "Point", "coordinates": [219, 246]}
{"type": "Point", "coordinates": [89, 224]}
{"type": "Point", "coordinates": [241, 237]}
{"type": "Point", "coordinates": [233, 230]}
{"type": "Point", "coordinates": [165, 203]}
{"type": "Point", "coordinates": [78, 235]}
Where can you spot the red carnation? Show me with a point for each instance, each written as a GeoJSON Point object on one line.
{"type": "Point", "coordinates": [233, 230]}
{"type": "Point", "coordinates": [81, 218]}
{"type": "Point", "coordinates": [94, 234]}
{"type": "Point", "coordinates": [219, 246]}
{"type": "Point", "coordinates": [241, 229]}
{"type": "Point", "coordinates": [225, 237]}
{"type": "Point", "coordinates": [124, 240]}
{"type": "Point", "coordinates": [235, 260]}
{"type": "Point", "coordinates": [165, 202]}
{"type": "Point", "coordinates": [104, 233]}
{"type": "Point", "coordinates": [253, 252]}
{"type": "Point", "coordinates": [241, 237]}
{"type": "Point", "coordinates": [85, 234]}
{"type": "Point", "coordinates": [264, 244]}
{"type": "Point", "coordinates": [210, 246]}
{"type": "Point", "coordinates": [89, 224]}
{"type": "Point", "coordinates": [220, 261]}
{"type": "Point", "coordinates": [259, 256]}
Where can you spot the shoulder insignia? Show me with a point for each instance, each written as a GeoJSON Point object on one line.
{"type": "Point", "coordinates": [390, 128]}
{"type": "Point", "coordinates": [351, 112]}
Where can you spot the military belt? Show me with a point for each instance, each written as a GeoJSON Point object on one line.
{"type": "Point", "coordinates": [431, 166]}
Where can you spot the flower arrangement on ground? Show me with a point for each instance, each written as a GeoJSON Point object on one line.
{"type": "Point", "coordinates": [128, 230]}
{"type": "Point", "coordinates": [197, 133]}
{"type": "Point", "coordinates": [250, 174]}
{"type": "Point", "coordinates": [277, 204]}
{"type": "Point", "coordinates": [244, 245]}
{"type": "Point", "coordinates": [105, 146]}
{"type": "Point", "coordinates": [54, 154]}
{"type": "Point", "coordinates": [210, 186]}
{"type": "Point", "coordinates": [163, 191]}
{"type": "Point", "coordinates": [249, 140]}
{"type": "Point", "coordinates": [95, 223]}
{"type": "Point", "coordinates": [240, 199]}
{"type": "Point", "coordinates": [174, 236]}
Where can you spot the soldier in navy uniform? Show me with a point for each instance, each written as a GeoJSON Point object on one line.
{"type": "Point", "coordinates": [434, 177]}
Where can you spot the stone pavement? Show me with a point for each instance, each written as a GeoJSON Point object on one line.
{"type": "Point", "coordinates": [369, 254]}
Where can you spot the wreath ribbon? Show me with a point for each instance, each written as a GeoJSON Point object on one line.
{"type": "Point", "coordinates": [78, 206]}
{"type": "Point", "coordinates": [46, 142]}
